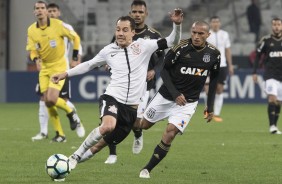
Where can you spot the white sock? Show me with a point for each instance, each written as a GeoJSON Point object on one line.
{"type": "Point", "coordinates": [43, 117]}
{"type": "Point", "coordinates": [70, 104]}
{"type": "Point", "coordinates": [218, 103]}
{"type": "Point", "coordinates": [90, 141]}
{"type": "Point", "coordinates": [86, 156]}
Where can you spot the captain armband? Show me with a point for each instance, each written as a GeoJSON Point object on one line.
{"type": "Point", "coordinates": [162, 44]}
{"type": "Point", "coordinates": [75, 55]}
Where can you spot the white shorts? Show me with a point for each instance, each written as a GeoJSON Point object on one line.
{"type": "Point", "coordinates": [142, 106]}
{"type": "Point", "coordinates": [274, 87]}
{"type": "Point", "coordinates": [160, 108]}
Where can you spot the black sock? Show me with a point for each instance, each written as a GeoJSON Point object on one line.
{"type": "Point", "coordinates": [137, 133]}
{"type": "Point", "coordinates": [271, 113]}
{"type": "Point", "coordinates": [277, 112]}
{"type": "Point", "coordinates": [113, 149]}
{"type": "Point", "coordinates": [159, 153]}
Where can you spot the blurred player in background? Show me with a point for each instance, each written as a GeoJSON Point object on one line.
{"type": "Point", "coordinates": [65, 93]}
{"type": "Point", "coordinates": [46, 48]}
{"type": "Point", "coordinates": [271, 46]}
{"type": "Point", "coordinates": [186, 67]}
{"type": "Point", "coordinates": [139, 13]}
{"type": "Point", "coordinates": [129, 62]}
{"type": "Point", "coordinates": [220, 39]}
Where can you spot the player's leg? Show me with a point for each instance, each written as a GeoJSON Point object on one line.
{"type": "Point", "coordinates": [116, 126]}
{"type": "Point", "coordinates": [54, 99]}
{"type": "Point", "coordinates": [218, 101]}
{"type": "Point", "coordinates": [160, 150]}
{"type": "Point", "coordinates": [273, 108]}
{"type": "Point", "coordinates": [65, 93]}
{"type": "Point", "coordinates": [53, 114]}
{"type": "Point", "coordinates": [138, 134]}
{"type": "Point", "coordinates": [108, 112]}
{"type": "Point", "coordinates": [43, 117]}
{"type": "Point", "coordinates": [112, 158]}
{"type": "Point", "coordinates": [178, 120]}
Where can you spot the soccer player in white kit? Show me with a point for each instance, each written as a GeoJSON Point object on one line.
{"type": "Point", "coordinates": [128, 61]}
{"type": "Point", "coordinates": [220, 39]}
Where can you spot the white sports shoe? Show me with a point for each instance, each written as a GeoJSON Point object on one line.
{"type": "Point", "coordinates": [137, 144]}
{"type": "Point", "coordinates": [274, 130]}
{"type": "Point", "coordinates": [112, 159]}
{"type": "Point", "coordinates": [39, 137]}
{"type": "Point", "coordinates": [80, 131]}
{"type": "Point", "coordinates": [144, 173]}
{"type": "Point", "coordinates": [73, 160]}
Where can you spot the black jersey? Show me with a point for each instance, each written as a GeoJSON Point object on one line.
{"type": "Point", "coordinates": [186, 69]}
{"type": "Point", "coordinates": [150, 33]}
{"type": "Point", "coordinates": [271, 46]}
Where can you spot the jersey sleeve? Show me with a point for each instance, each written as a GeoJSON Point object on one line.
{"type": "Point", "coordinates": [227, 43]}
{"type": "Point", "coordinates": [170, 59]}
{"type": "Point", "coordinates": [260, 49]}
{"type": "Point", "coordinates": [31, 46]}
{"type": "Point", "coordinates": [68, 31]}
{"type": "Point", "coordinates": [98, 60]}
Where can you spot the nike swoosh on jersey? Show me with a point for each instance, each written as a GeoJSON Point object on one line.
{"type": "Point", "coordinates": [112, 55]}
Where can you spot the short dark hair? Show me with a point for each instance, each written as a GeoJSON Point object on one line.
{"type": "Point", "coordinates": [41, 2]}
{"type": "Point", "coordinates": [138, 2]}
{"type": "Point", "coordinates": [128, 18]}
{"type": "Point", "coordinates": [276, 19]}
{"type": "Point", "coordinates": [202, 23]}
{"type": "Point", "coordinates": [53, 5]}
{"type": "Point", "coordinates": [214, 17]}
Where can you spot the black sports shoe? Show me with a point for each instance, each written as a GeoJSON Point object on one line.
{"type": "Point", "coordinates": [59, 138]}
{"type": "Point", "coordinates": [74, 120]}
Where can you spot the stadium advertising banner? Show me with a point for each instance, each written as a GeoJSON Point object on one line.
{"type": "Point", "coordinates": [20, 87]}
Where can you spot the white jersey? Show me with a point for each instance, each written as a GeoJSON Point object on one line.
{"type": "Point", "coordinates": [128, 66]}
{"type": "Point", "coordinates": [68, 45]}
{"type": "Point", "coordinates": [128, 69]}
{"type": "Point", "coordinates": [221, 41]}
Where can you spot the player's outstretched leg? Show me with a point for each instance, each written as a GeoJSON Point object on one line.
{"type": "Point", "coordinates": [112, 158]}
{"type": "Point", "coordinates": [138, 141]}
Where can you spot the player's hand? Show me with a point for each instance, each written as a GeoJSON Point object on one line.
{"type": "Point", "coordinates": [208, 115]}
{"type": "Point", "coordinates": [57, 77]}
{"type": "Point", "coordinates": [150, 75]}
{"type": "Point", "coordinates": [255, 78]}
{"type": "Point", "coordinates": [180, 100]}
{"type": "Point", "coordinates": [74, 64]}
{"type": "Point", "coordinates": [38, 64]}
{"type": "Point", "coordinates": [176, 16]}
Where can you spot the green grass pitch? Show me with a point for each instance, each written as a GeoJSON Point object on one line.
{"type": "Point", "coordinates": [238, 151]}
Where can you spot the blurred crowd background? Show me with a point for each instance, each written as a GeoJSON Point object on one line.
{"type": "Point", "coordinates": [94, 20]}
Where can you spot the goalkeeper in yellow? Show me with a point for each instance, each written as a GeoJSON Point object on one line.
{"type": "Point", "coordinates": [45, 44]}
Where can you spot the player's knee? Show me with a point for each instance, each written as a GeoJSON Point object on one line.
{"type": "Point", "coordinates": [145, 124]}
{"type": "Point", "coordinates": [107, 127]}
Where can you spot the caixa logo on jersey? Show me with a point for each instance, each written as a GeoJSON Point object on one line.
{"type": "Point", "coordinates": [206, 58]}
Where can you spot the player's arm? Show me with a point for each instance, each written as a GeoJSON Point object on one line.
{"type": "Point", "coordinates": [170, 59]}
{"type": "Point", "coordinates": [74, 37]}
{"type": "Point", "coordinates": [82, 68]}
{"type": "Point", "coordinates": [228, 56]}
{"type": "Point", "coordinates": [31, 48]}
{"type": "Point", "coordinates": [214, 73]}
{"type": "Point", "coordinates": [259, 51]}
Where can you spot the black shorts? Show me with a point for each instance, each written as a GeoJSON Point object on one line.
{"type": "Point", "coordinates": [125, 115]}
{"type": "Point", "coordinates": [223, 73]}
{"type": "Point", "coordinates": [64, 93]}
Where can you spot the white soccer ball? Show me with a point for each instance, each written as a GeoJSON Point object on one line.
{"type": "Point", "coordinates": [57, 166]}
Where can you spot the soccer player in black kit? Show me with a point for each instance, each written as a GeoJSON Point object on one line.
{"type": "Point", "coordinates": [271, 47]}
{"type": "Point", "coordinates": [139, 13]}
{"type": "Point", "coordinates": [186, 67]}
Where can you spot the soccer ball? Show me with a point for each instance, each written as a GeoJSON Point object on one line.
{"type": "Point", "coordinates": [57, 166]}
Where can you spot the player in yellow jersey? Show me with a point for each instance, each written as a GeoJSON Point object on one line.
{"type": "Point", "coordinates": [46, 46]}
{"type": "Point", "coordinates": [65, 93]}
